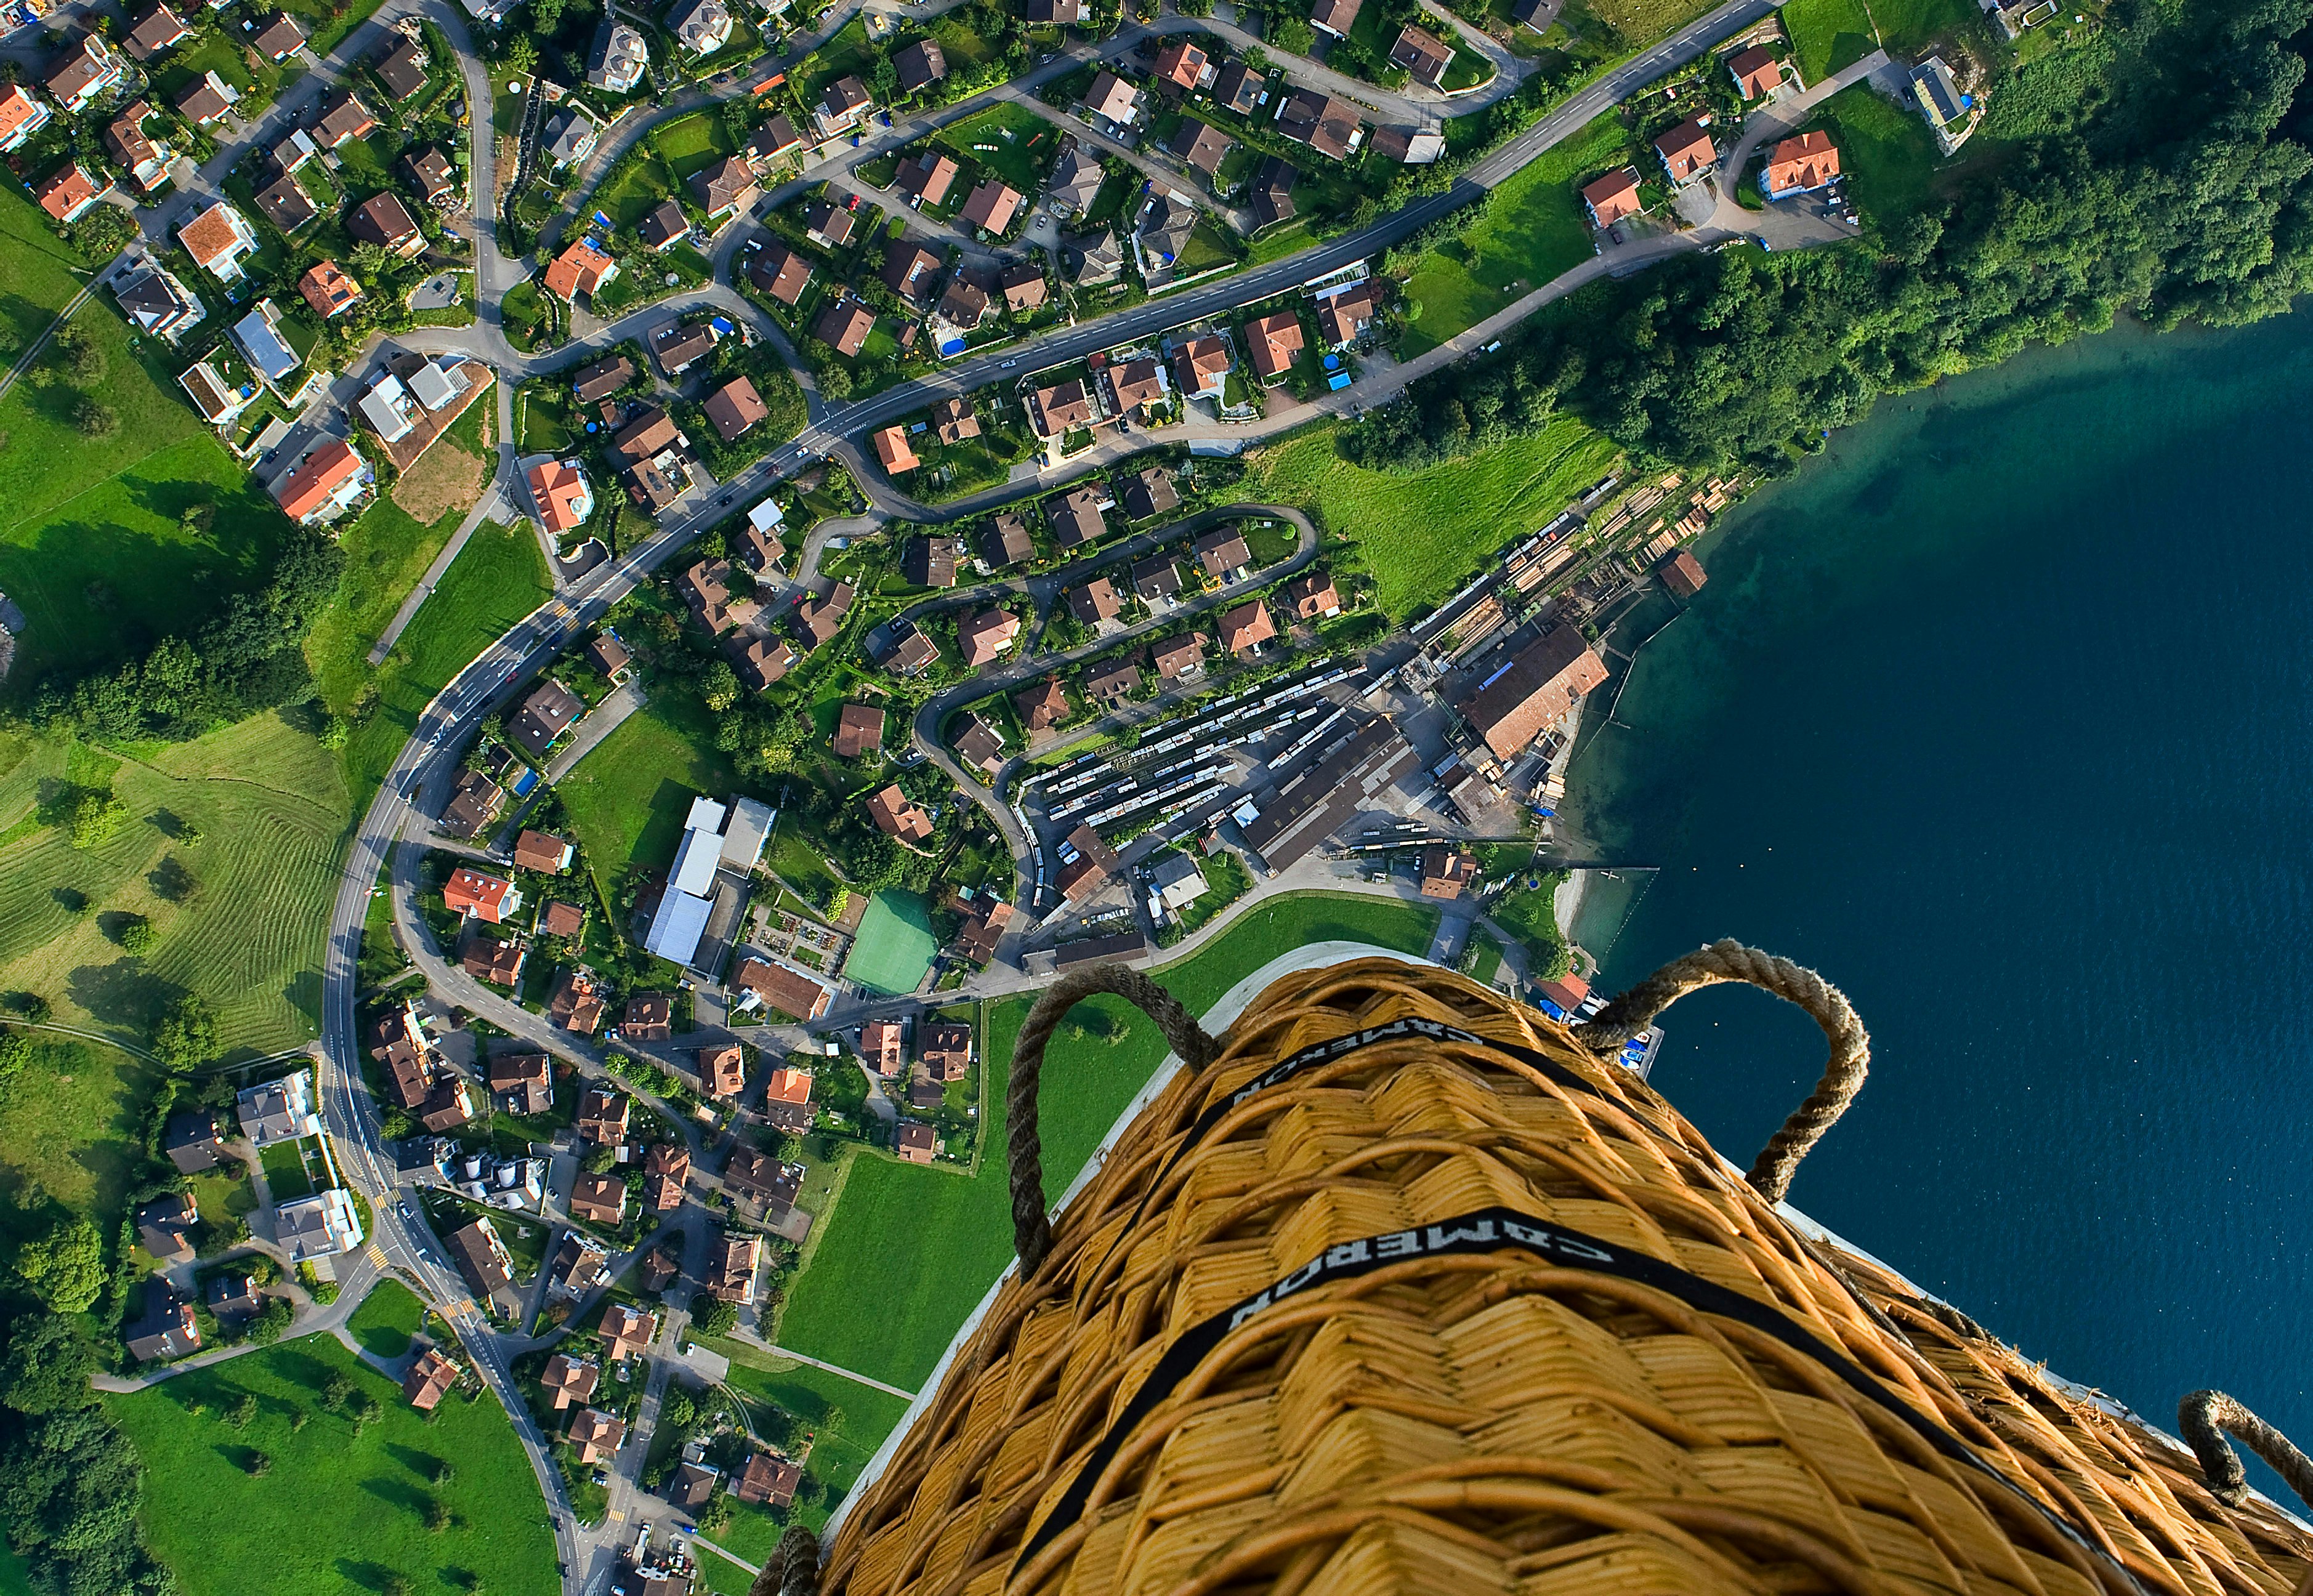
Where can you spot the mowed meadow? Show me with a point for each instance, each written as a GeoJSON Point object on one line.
{"type": "Point", "coordinates": [241, 912]}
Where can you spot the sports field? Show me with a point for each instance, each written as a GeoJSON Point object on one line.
{"type": "Point", "coordinates": [895, 944]}
{"type": "Point", "coordinates": [337, 1510]}
{"type": "Point", "coordinates": [910, 1250]}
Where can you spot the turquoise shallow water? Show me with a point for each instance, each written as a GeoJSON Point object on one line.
{"type": "Point", "coordinates": [2001, 714]}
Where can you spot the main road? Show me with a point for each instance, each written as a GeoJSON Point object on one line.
{"type": "Point", "coordinates": [441, 731]}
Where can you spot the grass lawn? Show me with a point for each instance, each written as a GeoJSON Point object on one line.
{"type": "Point", "coordinates": [247, 936]}
{"type": "Point", "coordinates": [1535, 229]}
{"type": "Point", "coordinates": [909, 1251]}
{"type": "Point", "coordinates": [848, 52]}
{"type": "Point", "coordinates": [1828, 34]}
{"type": "Point", "coordinates": [497, 579]}
{"type": "Point", "coordinates": [226, 1532]}
{"type": "Point", "coordinates": [75, 1134]}
{"type": "Point", "coordinates": [1425, 531]}
{"type": "Point", "coordinates": [546, 420]}
{"type": "Point", "coordinates": [627, 798]}
{"type": "Point", "coordinates": [1467, 70]}
{"type": "Point", "coordinates": [386, 1319]}
{"type": "Point", "coordinates": [895, 944]}
{"type": "Point", "coordinates": [1008, 140]}
{"type": "Point", "coordinates": [798, 861]}
{"type": "Point", "coordinates": [284, 1171]}
{"type": "Point", "coordinates": [91, 544]}
{"type": "Point", "coordinates": [641, 182]}
{"type": "Point", "coordinates": [848, 1422]}
{"type": "Point", "coordinates": [1642, 21]}
{"type": "Point", "coordinates": [694, 143]}
{"type": "Point", "coordinates": [1888, 155]}
{"type": "Point", "coordinates": [1909, 25]}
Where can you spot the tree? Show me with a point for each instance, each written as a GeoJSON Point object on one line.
{"type": "Point", "coordinates": [242, 1412]}
{"type": "Point", "coordinates": [65, 1266]}
{"type": "Point", "coordinates": [677, 1410]}
{"type": "Point", "coordinates": [77, 352]}
{"type": "Point", "coordinates": [93, 817]}
{"type": "Point", "coordinates": [438, 1516]}
{"type": "Point", "coordinates": [258, 1464]}
{"type": "Point", "coordinates": [337, 1392]}
{"type": "Point", "coordinates": [15, 1055]}
{"type": "Point", "coordinates": [185, 1034]}
{"type": "Point", "coordinates": [48, 1365]}
{"type": "Point", "coordinates": [886, 74]}
{"type": "Point", "coordinates": [720, 1319]}
{"type": "Point", "coordinates": [188, 835]}
{"type": "Point", "coordinates": [136, 937]}
{"type": "Point", "coordinates": [718, 684]}
{"type": "Point", "coordinates": [95, 420]}
{"type": "Point", "coordinates": [32, 1007]}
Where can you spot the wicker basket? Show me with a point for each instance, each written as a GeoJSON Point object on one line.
{"type": "Point", "coordinates": [1408, 1292]}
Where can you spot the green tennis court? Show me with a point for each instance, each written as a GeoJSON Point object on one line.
{"type": "Point", "coordinates": [895, 944]}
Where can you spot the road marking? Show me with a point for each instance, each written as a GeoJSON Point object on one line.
{"type": "Point", "coordinates": [377, 1255]}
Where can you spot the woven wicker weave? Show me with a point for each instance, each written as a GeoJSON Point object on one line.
{"type": "Point", "coordinates": [1548, 1344]}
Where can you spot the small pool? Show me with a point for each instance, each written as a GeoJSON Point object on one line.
{"type": "Point", "coordinates": [723, 327]}
{"type": "Point", "coordinates": [951, 347]}
{"type": "Point", "coordinates": [522, 788]}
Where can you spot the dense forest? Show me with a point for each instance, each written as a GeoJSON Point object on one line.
{"type": "Point", "coordinates": [2161, 175]}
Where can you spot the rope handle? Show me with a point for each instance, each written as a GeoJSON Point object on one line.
{"type": "Point", "coordinates": [1031, 1227]}
{"type": "Point", "coordinates": [2206, 1417]}
{"type": "Point", "coordinates": [1729, 960]}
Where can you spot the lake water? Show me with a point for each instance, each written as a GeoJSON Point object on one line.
{"type": "Point", "coordinates": [2001, 714]}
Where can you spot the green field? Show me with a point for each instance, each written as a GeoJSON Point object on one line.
{"type": "Point", "coordinates": [1424, 532]}
{"type": "Point", "coordinates": [386, 1319]}
{"type": "Point", "coordinates": [910, 1250]}
{"type": "Point", "coordinates": [1642, 21]}
{"type": "Point", "coordinates": [694, 143]}
{"type": "Point", "coordinates": [1535, 229]}
{"type": "Point", "coordinates": [91, 547]}
{"type": "Point", "coordinates": [1888, 155]}
{"type": "Point", "coordinates": [497, 579]}
{"type": "Point", "coordinates": [848, 1422]}
{"type": "Point", "coordinates": [76, 1136]}
{"type": "Point", "coordinates": [895, 944]}
{"type": "Point", "coordinates": [340, 1510]}
{"type": "Point", "coordinates": [272, 808]}
{"type": "Point", "coordinates": [627, 798]}
{"type": "Point", "coordinates": [1020, 144]}
{"type": "Point", "coordinates": [1828, 34]}
{"type": "Point", "coordinates": [1912, 25]}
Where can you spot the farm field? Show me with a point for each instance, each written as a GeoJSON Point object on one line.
{"type": "Point", "coordinates": [627, 798]}
{"type": "Point", "coordinates": [497, 579]}
{"type": "Point", "coordinates": [227, 1532]}
{"type": "Point", "coordinates": [1828, 34]}
{"type": "Point", "coordinates": [93, 548]}
{"type": "Point", "coordinates": [860, 1305]}
{"type": "Point", "coordinates": [75, 1136]}
{"type": "Point", "coordinates": [1423, 532]}
{"type": "Point", "coordinates": [241, 915]}
{"type": "Point", "coordinates": [1535, 229]}
{"type": "Point", "coordinates": [1642, 21]}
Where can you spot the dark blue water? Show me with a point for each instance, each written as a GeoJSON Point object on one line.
{"type": "Point", "coordinates": [2001, 714]}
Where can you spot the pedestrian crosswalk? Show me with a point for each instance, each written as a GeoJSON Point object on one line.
{"type": "Point", "coordinates": [377, 1255]}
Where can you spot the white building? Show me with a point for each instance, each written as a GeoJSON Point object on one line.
{"type": "Point", "coordinates": [682, 917]}
{"type": "Point", "coordinates": [388, 408]}
{"type": "Point", "coordinates": [279, 1110]}
{"type": "Point", "coordinates": [319, 1226]}
{"type": "Point", "coordinates": [438, 382]}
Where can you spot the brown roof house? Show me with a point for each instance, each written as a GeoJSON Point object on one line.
{"type": "Point", "coordinates": [786, 1100]}
{"type": "Point", "coordinates": [979, 748]}
{"type": "Point", "coordinates": [1274, 342]}
{"type": "Point", "coordinates": [1042, 706]}
{"type": "Point", "coordinates": [953, 420]}
{"type": "Point", "coordinates": [768, 1481]}
{"type": "Point", "coordinates": [1686, 151]}
{"type": "Point", "coordinates": [1201, 366]}
{"type": "Point", "coordinates": [576, 1003]}
{"type": "Point", "coordinates": [568, 1380]}
{"type": "Point", "coordinates": [779, 272]}
{"type": "Point", "coordinates": [1075, 516]}
{"type": "Point", "coordinates": [1222, 552]}
{"type": "Point", "coordinates": [915, 1143]}
{"type": "Point", "coordinates": [1755, 72]}
{"type": "Point", "coordinates": [1682, 574]}
{"type": "Point", "coordinates": [732, 1263]}
{"type": "Point", "coordinates": [666, 1168]}
{"type": "Point", "coordinates": [543, 851]}
{"type": "Point", "coordinates": [1054, 410]}
{"type": "Point", "coordinates": [649, 1018]}
{"type": "Point", "coordinates": [1345, 317]}
{"type": "Point", "coordinates": [991, 207]}
{"type": "Point", "coordinates": [1613, 198]}
{"type": "Point", "coordinates": [734, 407]}
{"type": "Point", "coordinates": [858, 730]}
{"type": "Point", "coordinates": [523, 1082]}
{"type": "Point", "coordinates": [595, 1436]}
{"type": "Point", "coordinates": [1311, 596]}
{"type": "Point", "coordinates": [895, 814]}
{"type": "Point", "coordinates": [725, 188]}
{"type": "Point", "coordinates": [1335, 17]}
{"type": "Point", "coordinates": [1510, 707]}
{"type": "Point", "coordinates": [1246, 627]}
{"type": "Point", "coordinates": [384, 221]}
{"type": "Point", "coordinates": [844, 326]}
{"type": "Point", "coordinates": [724, 1069]}
{"type": "Point", "coordinates": [1007, 541]}
{"type": "Point", "coordinates": [1446, 873]}
{"type": "Point", "coordinates": [600, 1200]}
{"type": "Point", "coordinates": [986, 637]}
{"type": "Point", "coordinates": [1094, 601]}
{"type": "Point", "coordinates": [428, 1380]}
{"type": "Point", "coordinates": [545, 716]}
{"type": "Point", "coordinates": [1423, 55]}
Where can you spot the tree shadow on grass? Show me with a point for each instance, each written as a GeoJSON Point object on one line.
{"type": "Point", "coordinates": [369, 1576]}
{"type": "Point", "coordinates": [423, 1464]}
{"type": "Point", "coordinates": [400, 1493]}
{"type": "Point", "coordinates": [303, 1369]}
{"type": "Point", "coordinates": [123, 993]}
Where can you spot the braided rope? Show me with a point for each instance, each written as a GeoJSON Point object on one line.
{"type": "Point", "coordinates": [1031, 1228]}
{"type": "Point", "coordinates": [793, 1569]}
{"type": "Point", "coordinates": [2206, 1417]}
{"type": "Point", "coordinates": [1729, 960]}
